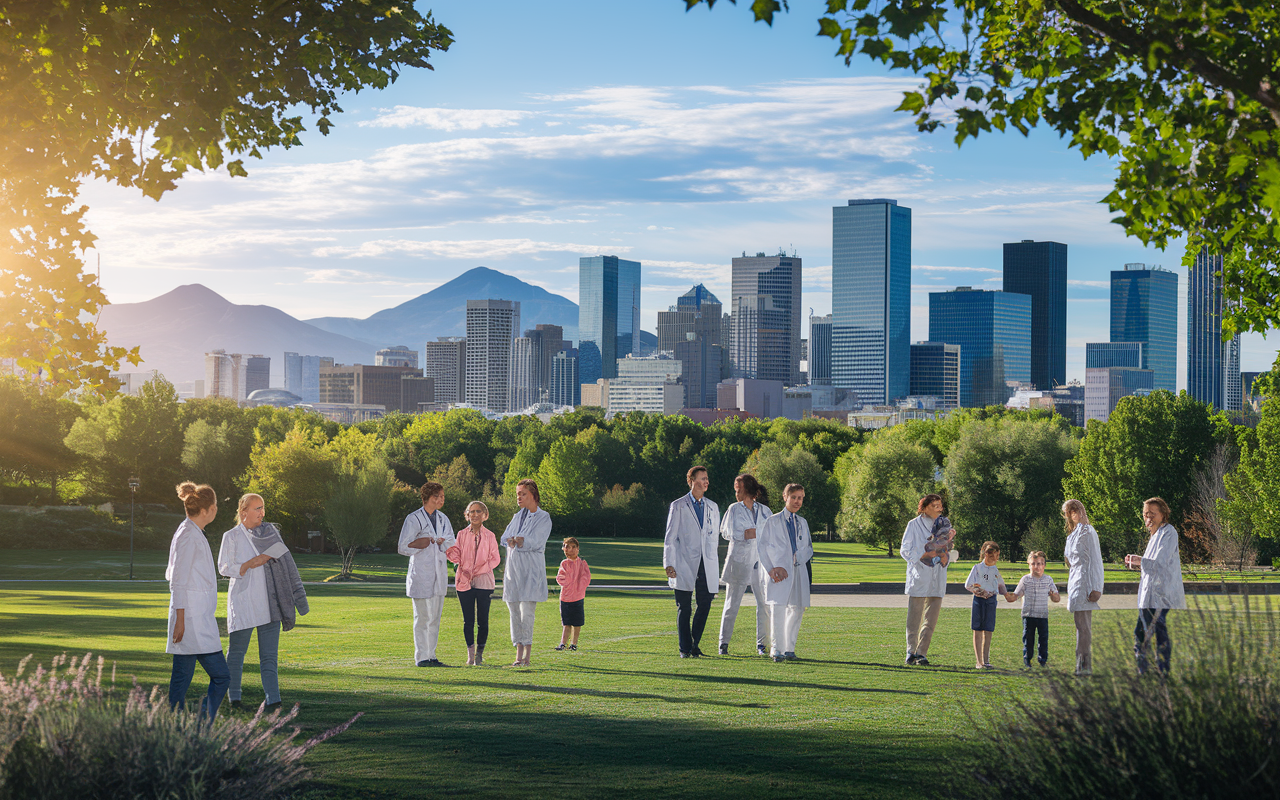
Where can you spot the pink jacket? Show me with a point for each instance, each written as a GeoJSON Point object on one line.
{"type": "Point", "coordinates": [573, 577]}
{"type": "Point", "coordinates": [476, 557]}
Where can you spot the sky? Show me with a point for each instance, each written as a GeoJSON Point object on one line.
{"type": "Point", "coordinates": [679, 139]}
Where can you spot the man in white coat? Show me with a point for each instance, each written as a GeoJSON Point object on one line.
{"type": "Point", "coordinates": [785, 547]}
{"type": "Point", "coordinates": [690, 554]}
{"type": "Point", "coordinates": [424, 538]}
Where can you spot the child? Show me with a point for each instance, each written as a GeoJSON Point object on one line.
{"type": "Point", "coordinates": [984, 581]}
{"type": "Point", "coordinates": [1036, 590]}
{"type": "Point", "coordinates": [574, 577]}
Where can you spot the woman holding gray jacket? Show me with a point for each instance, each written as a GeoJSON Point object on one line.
{"type": "Point", "coordinates": [265, 595]}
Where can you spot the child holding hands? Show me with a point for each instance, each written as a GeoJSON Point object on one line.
{"type": "Point", "coordinates": [1036, 590]}
{"type": "Point", "coordinates": [574, 577]}
{"type": "Point", "coordinates": [985, 583]}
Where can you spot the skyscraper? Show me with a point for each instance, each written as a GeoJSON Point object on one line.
{"type": "Point", "coordinates": [1039, 269]}
{"type": "Point", "coordinates": [565, 389]}
{"type": "Point", "coordinates": [302, 375]}
{"type": "Point", "coordinates": [608, 314]}
{"type": "Point", "coordinates": [993, 330]}
{"type": "Point", "coordinates": [397, 356]}
{"type": "Point", "coordinates": [820, 350]}
{"type": "Point", "coordinates": [235, 375]}
{"type": "Point", "coordinates": [871, 299]}
{"type": "Point", "coordinates": [447, 364]}
{"type": "Point", "coordinates": [1144, 308]}
{"type": "Point", "coordinates": [491, 325]}
{"type": "Point", "coordinates": [551, 341]}
{"type": "Point", "coordinates": [766, 341]}
{"type": "Point", "coordinates": [524, 373]}
{"type": "Point", "coordinates": [1213, 366]}
{"type": "Point", "coordinates": [935, 372]}
{"type": "Point", "coordinates": [697, 311]}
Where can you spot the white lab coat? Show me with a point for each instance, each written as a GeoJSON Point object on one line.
{"type": "Point", "coordinates": [741, 559]}
{"type": "Point", "coordinates": [247, 604]}
{"type": "Point", "coordinates": [685, 542]}
{"type": "Point", "coordinates": [1161, 584]}
{"type": "Point", "coordinates": [774, 550]}
{"type": "Point", "coordinates": [428, 568]}
{"type": "Point", "coordinates": [922, 580]}
{"type": "Point", "coordinates": [193, 587]}
{"type": "Point", "coordinates": [1083, 555]}
{"type": "Point", "coordinates": [524, 579]}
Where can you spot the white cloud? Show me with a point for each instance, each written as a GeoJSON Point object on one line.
{"type": "Point", "coordinates": [462, 249]}
{"type": "Point", "coordinates": [931, 268]}
{"type": "Point", "coordinates": [1091, 284]}
{"type": "Point", "coordinates": [446, 119]}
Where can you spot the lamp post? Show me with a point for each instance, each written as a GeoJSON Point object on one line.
{"type": "Point", "coordinates": [133, 490]}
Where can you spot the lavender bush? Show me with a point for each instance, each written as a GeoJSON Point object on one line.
{"type": "Point", "coordinates": [63, 734]}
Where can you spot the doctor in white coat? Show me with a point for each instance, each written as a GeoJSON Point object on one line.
{"type": "Point", "coordinates": [1083, 555]}
{"type": "Point", "coordinates": [740, 527]}
{"type": "Point", "coordinates": [424, 538]}
{"type": "Point", "coordinates": [690, 555]}
{"type": "Point", "coordinates": [785, 548]}
{"type": "Point", "coordinates": [524, 581]}
{"type": "Point", "coordinates": [926, 582]}
{"type": "Point", "coordinates": [1161, 586]}
{"type": "Point", "coordinates": [193, 604]}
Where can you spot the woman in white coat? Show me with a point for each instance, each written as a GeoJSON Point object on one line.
{"type": "Point", "coordinates": [425, 538]}
{"type": "Point", "coordinates": [740, 525]}
{"type": "Point", "coordinates": [1083, 556]}
{"type": "Point", "coordinates": [926, 582]}
{"type": "Point", "coordinates": [1161, 586]}
{"type": "Point", "coordinates": [524, 581]}
{"type": "Point", "coordinates": [262, 596]}
{"type": "Point", "coordinates": [784, 549]}
{"type": "Point", "coordinates": [193, 603]}
{"type": "Point", "coordinates": [691, 558]}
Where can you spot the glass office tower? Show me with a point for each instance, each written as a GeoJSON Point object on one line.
{"type": "Point", "coordinates": [1213, 366]}
{"type": "Point", "coordinates": [993, 330]}
{"type": "Point", "coordinates": [1040, 270]}
{"type": "Point", "coordinates": [1144, 308]}
{"type": "Point", "coordinates": [608, 314]}
{"type": "Point", "coordinates": [765, 303]}
{"type": "Point", "coordinates": [935, 372]}
{"type": "Point", "coordinates": [820, 350]}
{"type": "Point", "coordinates": [871, 299]}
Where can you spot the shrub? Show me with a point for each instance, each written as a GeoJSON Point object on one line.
{"type": "Point", "coordinates": [1211, 728]}
{"type": "Point", "coordinates": [62, 734]}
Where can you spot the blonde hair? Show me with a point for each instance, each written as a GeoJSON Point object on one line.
{"type": "Point", "coordinates": [195, 499]}
{"type": "Point", "coordinates": [1034, 554]}
{"type": "Point", "coordinates": [1075, 505]}
{"type": "Point", "coordinates": [244, 505]}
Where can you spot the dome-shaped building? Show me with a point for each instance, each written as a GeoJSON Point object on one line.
{"type": "Point", "coordinates": [280, 398]}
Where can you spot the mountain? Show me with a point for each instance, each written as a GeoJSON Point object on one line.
{"type": "Point", "coordinates": [443, 311]}
{"type": "Point", "coordinates": [175, 330]}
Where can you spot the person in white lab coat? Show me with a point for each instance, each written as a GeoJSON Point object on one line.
{"type": "Point", "coordinates": [926, 582]}
{"type": "Point", "coordinates": [524, 581]}
{"type": "Point", "coordinates": [691, 557]}
{"type": "Point", "coordinates": [740, 525]}
{"type": "Point", "coordinates": [193, 603]}
{"type": "Point", "coordinates": [1083, 555]}
{"type": "Point", "coordinates": [784, 549]}
{"type": "Point", "coordinates": [424, 538]}
{"type": "Point", "coordinates": [1161, 586]}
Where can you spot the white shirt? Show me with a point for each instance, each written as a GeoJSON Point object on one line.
{"type": "Point", "coordinates": [923, 580]}
{"type": "Point", "coordinates": [988, 577]}
{"type": "Point", "coordinates": [428, 574]}
{"type": "Point", "coordinates": [1035, 595]}
{"type": "Point", "coordinates": [1083, 555]}
{"type": "Point", "coordinates": [247, 595]}
{"type": "Point", "coordinates": [1161, 584]}
{"type": "Point", "coordinates": [742, 557]}
{"type": "Point", "coordinates": [525, 577]}
{"type": "Point", "coordinates": [193, 587]}
{"type": "Point", "coordinates": [774, 551]}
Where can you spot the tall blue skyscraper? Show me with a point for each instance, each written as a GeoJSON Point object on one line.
{"type": "Point", "coordinates": [993, 330]}
{"type": "Point", "coordinates": [871, 299]}
{"type": "Point", "coordinates": [765, 303]}
{"type": "Point", "coordinates": [1144, 308]}
{"type": "Point", "coordinates": [1040, 270]}
{"type": "Point", "coordinates": [820, 350]}
{"type": "Point", "coordinates": [608, 314]}
{"type": "Point", "coordinates": [1213, 366]}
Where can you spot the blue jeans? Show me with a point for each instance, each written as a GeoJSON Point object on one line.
{"type": "Point", "coordinates": [268, 659]}
{"type": "Point", "coordinates": [1151, 623]}
{"type": "Point", "coordinates": [184, 669]}
{"type": "Point", "coordinates": [1030, 627]}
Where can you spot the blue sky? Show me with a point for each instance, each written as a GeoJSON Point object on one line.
{"type": "Point", "coordinates": [555, 130]}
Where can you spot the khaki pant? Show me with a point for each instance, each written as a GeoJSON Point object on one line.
{"type": "Point", "coordinates": [922, 618]}
{"type": "Point", "coordinates": [1084, 641]}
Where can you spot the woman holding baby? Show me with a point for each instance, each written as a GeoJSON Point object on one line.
{"type": "Point", "coordinates": [926, 546]}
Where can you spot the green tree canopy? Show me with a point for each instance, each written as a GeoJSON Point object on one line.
{"type": "Point", "coordinates": [129, 436]}
{"type": "Point", "coordinates": [889, 475]}
{"type": "Point", "coordinates": [359, 510]}
{"type": "Point", "coordinates": [295, 477]}
{"type": "Point", "coordinates": [566, 479]}
{"type": "Point", "coordinates": [775, 465]}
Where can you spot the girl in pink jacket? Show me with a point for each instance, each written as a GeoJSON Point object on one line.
{"type": "Point", "coordinates": [476, 554]}
{"type": "Point", "coordinates": [574, 577]}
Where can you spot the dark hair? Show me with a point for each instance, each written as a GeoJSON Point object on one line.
{"type": "Point", "coordinates": [989, 547]}
{"type": "Point", "coordinates": [1159, 503]}
{"type": "Point", "coordinates": [196, 499]}
{"type": "Point", "coordinates": [532, 486]}
{"type": "Point", "coordinates": [693, 471]}
{"type": "Point", "coordinates": [429, 490]}
{"type": "Point", "coordinates": [571, 540]}
{"type": "Point", "coordinates": [792, 488]}
{"type": "Point", "coordinates": [753, 488]}
{"type": "Point", "coordinates": [926, 501]}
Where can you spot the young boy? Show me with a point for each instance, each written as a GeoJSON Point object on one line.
{"type": "Point", "coordinates": [985, 582]}
{"type": "Point", "coordinates": [574, 577]}
{"type": "Point", "coordinates": [1036, 590]}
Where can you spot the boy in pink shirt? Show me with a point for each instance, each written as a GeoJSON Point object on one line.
{"type": "Point", "coordinates": [574, 577]}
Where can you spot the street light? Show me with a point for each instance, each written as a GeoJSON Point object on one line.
{"type": "Point", "coordinates": [133, 490]}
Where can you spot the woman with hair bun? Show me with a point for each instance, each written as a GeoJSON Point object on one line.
{"type": "Point", "coordinates": [741, 566]}
{"type": "Point", "coordinates": [193, 604]}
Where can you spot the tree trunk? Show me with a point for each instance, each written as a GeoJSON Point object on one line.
{"type": "Point", "coordinates": [348, 559]}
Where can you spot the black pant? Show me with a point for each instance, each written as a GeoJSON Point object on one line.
{"type": "Point", "coordinates": [691, 634]}
{"type": "Point", "coordinates": [1151, 622]}
{"type": "Point", "coordinates": [472, 601]}
{"type": "Point", "coordinates": [1030, 627]}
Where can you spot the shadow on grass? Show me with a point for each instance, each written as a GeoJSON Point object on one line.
{"type": "Point", "coordinates": [765, 682]}
{"type": "Point", "coordinates": [528, 687]}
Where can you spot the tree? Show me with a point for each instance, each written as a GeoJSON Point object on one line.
{"type": "Point", "coordinates": [211, 455]}
{"type": "Point", "coordinates": [461, 486]}
{"type": "Point", "coordinates": [886, 482]}
{"type": "Point", "coordinates": [723, 458]}
{"type": "Point", "coordinates": [1150, 447]}
{"type": "Point", "coordinates": [138, 93]}
{"type": "Point", "coordinates": [33, 428]}
{"type": "Point", "coordinates": [775, 466]}
{"type": "Point", "coordinates": [1004, 475]}
{"type": "Point", "coordinates": [359, 510]}
{"type": "Point", "coordinates": [295, 477]}
{"type": "Point", "coordinates": [1254, 488]}
{"type": "Point", "coordinates": [567, 479]}
{"type": "Point", "coordinates": [1184, 96]}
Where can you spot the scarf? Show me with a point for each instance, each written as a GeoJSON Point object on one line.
{"type": "Point", "coordinates": [284, 584]}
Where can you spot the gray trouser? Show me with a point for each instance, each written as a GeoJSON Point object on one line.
{"type": "Point", "coordinates": [1084, 641]}
{"type": "Point", "coordinates": [521, 612]}
{"type": "Point", "coordinates": [922, 618]}
{"type": "Point", "coordinates": [268, 659]}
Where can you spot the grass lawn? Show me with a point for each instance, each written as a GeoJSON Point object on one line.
{"type": "Point", "coordinates": [622, 717]}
